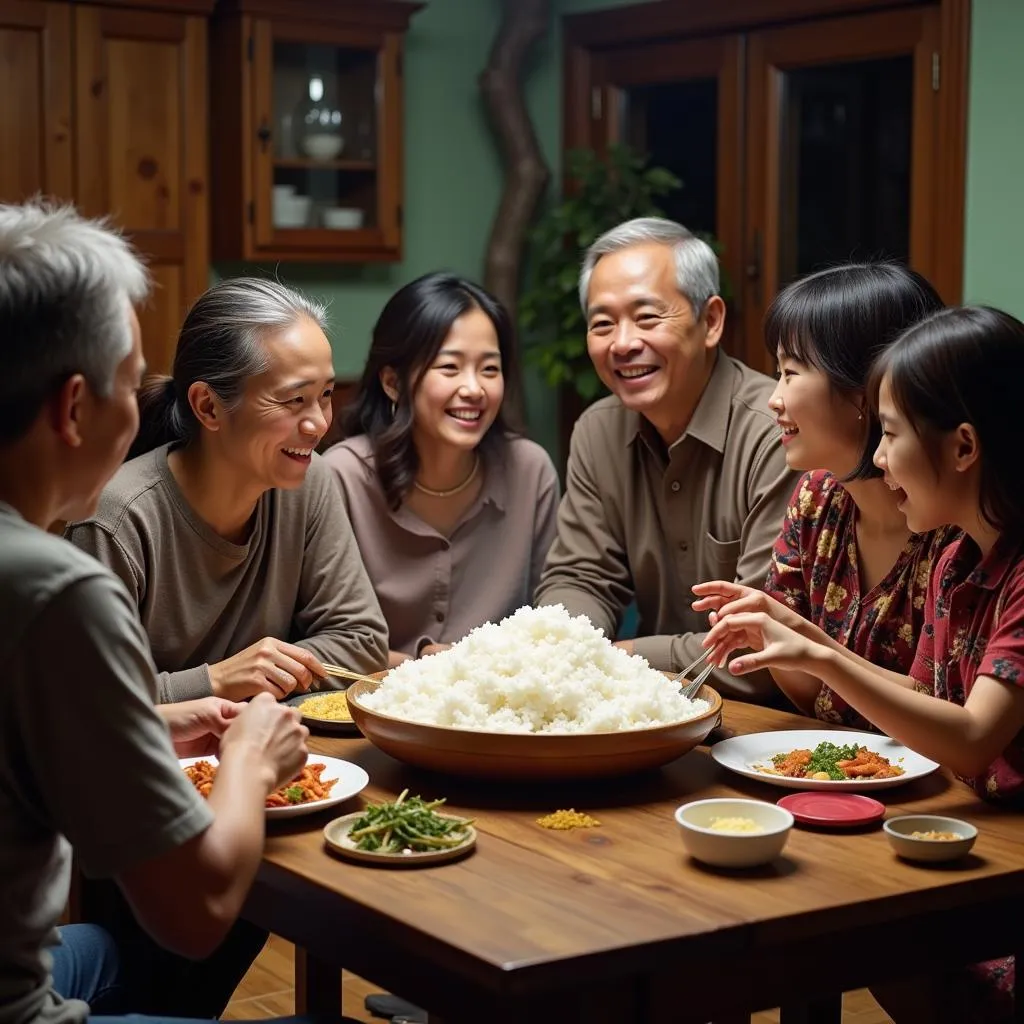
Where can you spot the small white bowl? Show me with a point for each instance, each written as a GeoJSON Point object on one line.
{"type": "Point", "coordinates": [898, 832]}
{"type": "Point", "coordinates": [283, 191]}
{"type": "Point", "coordinates": [291, 211]}
{"type": "Point", "coordinates": [322, 146]}
{"type": "Point", "coordinates": [341, 218]}
{"type": "Point", "coordinates": [733, 849]}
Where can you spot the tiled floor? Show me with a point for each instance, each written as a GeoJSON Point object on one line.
{"type": "Point", "coordinates": [267, 991]}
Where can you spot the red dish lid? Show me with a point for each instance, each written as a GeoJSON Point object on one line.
{"type": "Point", "coordinates": [840, 810]}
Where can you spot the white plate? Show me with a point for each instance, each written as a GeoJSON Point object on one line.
{"type": "Point", "coordinates": [351, 780]}
{"type": "Point", "coordinates": [742, 753]}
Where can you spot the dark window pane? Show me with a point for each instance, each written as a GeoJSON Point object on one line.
{"type": "Point", "coordinates": [845, 164]}
{"type": "Point", "coordinates": [676, 123]}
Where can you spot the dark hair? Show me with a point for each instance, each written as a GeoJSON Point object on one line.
{"type": "Point", "coordinates": [407, 336]}
{"type": "Point", "coordinates": [965, 365]}
{"type": "Point", "coordinates": [840, 319]}
{"type": "Point", "coordinates": [221, 344]}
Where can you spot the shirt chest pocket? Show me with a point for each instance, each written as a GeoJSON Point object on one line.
{"type": "Point", "coordinates": [719, 558]}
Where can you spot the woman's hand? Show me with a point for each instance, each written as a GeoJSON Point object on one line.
{"type": "Point", "coordinates": [721, 599]}
{"type": "Point", "coordinates": [268, 666]}
{"type": "Point", "coordinates": [772, 644]}
{"type": "Point", "coordinates": [274, 735]}
{"type": "Point", "coordinates": [196, 726]}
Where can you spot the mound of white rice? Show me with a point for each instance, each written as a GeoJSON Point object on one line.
{"type": "Point", "coordinates": [538, 671]}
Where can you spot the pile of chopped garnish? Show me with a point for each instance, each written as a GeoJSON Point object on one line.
{"type": "Point", "coordinates": [571, 818]}
{"type": "Point", "coordinates": [408, 824]}
{"type": "Point", "coordinates": [824, 758]}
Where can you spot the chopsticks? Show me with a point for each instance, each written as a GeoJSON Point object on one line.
{"type": "Point", "coordinates": [343, 673]}
{"type": "Point", "coordinates": [693, 664]}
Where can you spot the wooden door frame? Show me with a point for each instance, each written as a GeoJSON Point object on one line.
{"type": "Point", "coordinates": [587, 36]}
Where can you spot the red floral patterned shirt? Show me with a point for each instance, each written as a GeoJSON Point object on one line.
{"type": "Point", "coordinates": [974, 626]}
{"type": "Point", "coordinates": [815, 572]}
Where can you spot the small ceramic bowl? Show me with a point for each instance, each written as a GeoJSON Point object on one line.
{"type": "Point", "coordinates": [323, 145]}
{"type": "Point", "coordinates": [343, 218]}
{"type": "Point", "coordinates": [734, 849]}
{"type": "Point", "coordinates": [899, 832]}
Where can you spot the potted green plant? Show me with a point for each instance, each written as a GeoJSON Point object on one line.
{"type": "Point", "coordinates": [607, 191]}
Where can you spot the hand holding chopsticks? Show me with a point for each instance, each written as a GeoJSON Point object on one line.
{"type": "Point", "coordinates": [343, 673]}
{"type": "Point", "coordinates": [692, 688]}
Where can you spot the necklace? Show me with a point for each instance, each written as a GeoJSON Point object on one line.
{"type": "Point", "coordinates": [457, 489]}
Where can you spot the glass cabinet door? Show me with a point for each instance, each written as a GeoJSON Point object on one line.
{"type": "Point", "coordinates": [322, 128]}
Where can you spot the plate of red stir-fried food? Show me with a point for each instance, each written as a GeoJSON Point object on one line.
{"type": "Point", "coordinates": [818, 759]}
{"type": "Point", "coordinates": [323, 782]}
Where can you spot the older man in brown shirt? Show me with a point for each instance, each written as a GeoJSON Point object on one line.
{"type": "Point", "coordinates": [678, 476]}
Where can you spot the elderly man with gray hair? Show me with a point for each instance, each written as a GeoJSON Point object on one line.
{"type": "Point", "coordinates": [678, 476]}
{"type": "Point", "coordinates": [87, 761]}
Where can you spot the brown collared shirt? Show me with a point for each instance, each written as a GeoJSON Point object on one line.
{"type": "Point", "coordinates": [639, 521]}
{"type": "Point", "coordinates": [434, 588]}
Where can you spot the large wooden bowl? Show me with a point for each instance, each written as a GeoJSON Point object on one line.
{"type": "Point", "coordinates": [499, 755]}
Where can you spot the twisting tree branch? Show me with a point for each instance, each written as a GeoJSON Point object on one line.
{"type": "Point", "coordinates": [523, 23]}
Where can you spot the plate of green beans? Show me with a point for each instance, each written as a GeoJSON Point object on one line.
{"type": "Point", "coordinates": [402, 832]}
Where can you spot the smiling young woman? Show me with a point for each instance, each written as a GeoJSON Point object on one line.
{"type": "Point", "coordinates": [846, 559]}
{"type": "Point", "coordinates": [452, 509]}
{"type": "Point", "coordinates": [947, 402]}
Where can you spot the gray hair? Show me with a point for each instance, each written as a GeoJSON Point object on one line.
{"type": "Point", "coordinates": [220, 344]}
{"type": "Point", "coordinates": [65, 287]}
{"type": "Point", "coordinates": [696, 262]}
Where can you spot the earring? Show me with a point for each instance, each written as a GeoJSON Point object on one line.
{"type": "Point", "coordinates": [860, 416]}
{"type": "Point", "coordinates": [394, 408]}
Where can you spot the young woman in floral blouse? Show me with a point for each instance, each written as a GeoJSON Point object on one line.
{"type": "Point", "coordinates": [845, 560]}
{"type": "Point", "coordinates": [948, 401]}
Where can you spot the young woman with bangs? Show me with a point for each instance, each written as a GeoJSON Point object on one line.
{"type": "Point", "coordinates": [453, 511]}
{"type": "Point", "coordinates": [947, 399]}
{"type": "Point", "coordinates": [846, 560]}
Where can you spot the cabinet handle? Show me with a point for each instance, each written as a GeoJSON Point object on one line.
{"type": "Point", "coordinates": [263, 133]}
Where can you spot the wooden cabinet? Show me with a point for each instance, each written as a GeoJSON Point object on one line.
{"type": "Point", "coordinates": [111, 113]}
{"type": "Point", "coordinates": [306, 118]}
{"type": "Point", "coordinates": [140, 112]}
{"type": "Point", "coordinates": [35, 116]}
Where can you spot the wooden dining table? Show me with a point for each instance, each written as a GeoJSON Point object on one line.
{"type": "Point", "coordinates": [617, 923]}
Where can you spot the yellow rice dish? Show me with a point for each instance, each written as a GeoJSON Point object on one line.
{"type": "Point", "coordinates": [746, 826]}
{"type": "Point", "coordinates": [328, 707]}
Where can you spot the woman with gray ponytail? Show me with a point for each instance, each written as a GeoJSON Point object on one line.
{"type": "Point", "coordinates": [224, 524]}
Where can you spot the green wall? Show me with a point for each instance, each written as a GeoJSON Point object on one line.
{"type": "Point", "coordinates": [453, 171]}
{"type": "Point", "coordinates": [994, 269]}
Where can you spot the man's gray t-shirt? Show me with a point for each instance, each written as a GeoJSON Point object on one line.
{"type": "Point", "coordinates": [83, 753]}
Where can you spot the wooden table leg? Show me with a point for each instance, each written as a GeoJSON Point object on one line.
{"type": "Point", "coordinates": [317, 987]}
{"type": "Point", "coordinates": [824, 1010]}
